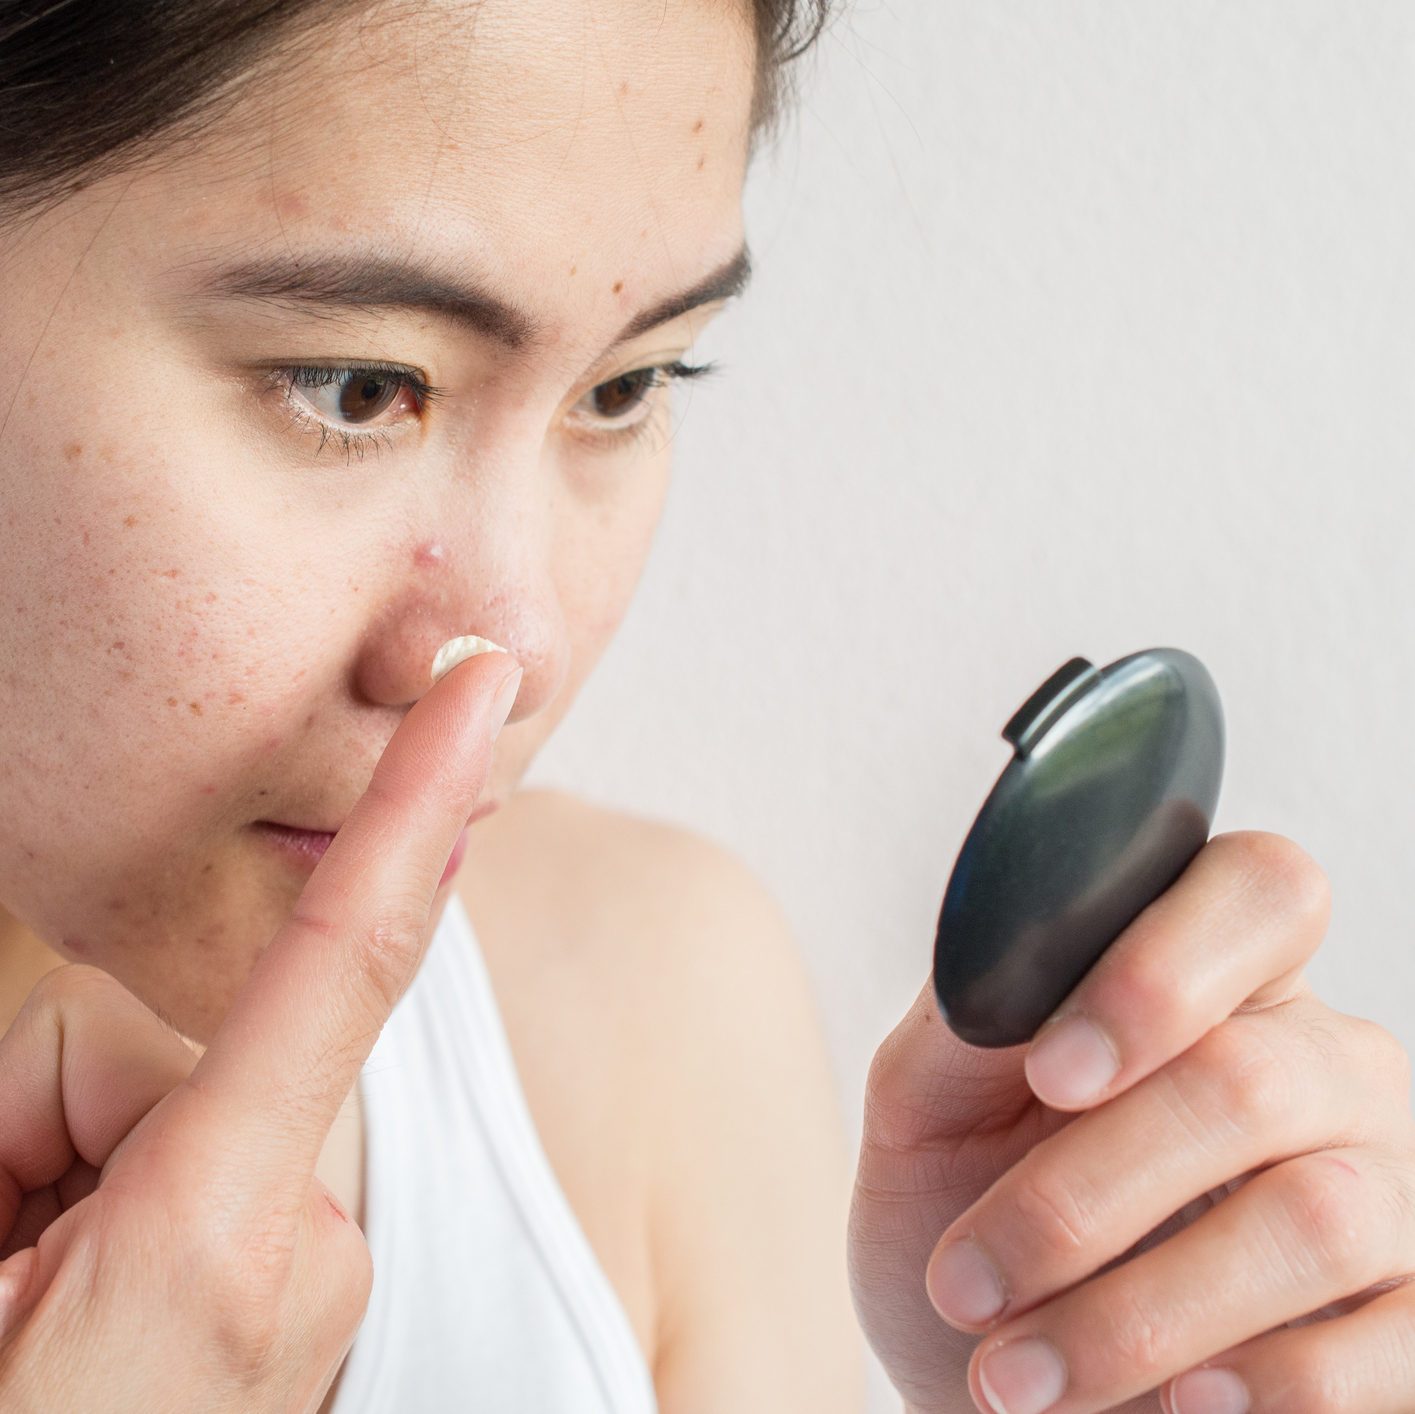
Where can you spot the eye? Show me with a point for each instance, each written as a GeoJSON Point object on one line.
{"type": "Point", "coordinates": [349, 402]}
{"type": "Point", "coordinates": [622, 409]}
{"type": "Point", "coordinates": [358, 396]}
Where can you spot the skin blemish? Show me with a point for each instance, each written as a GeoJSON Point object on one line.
{"type": "Point", "coordinates": [208, 789]}
{"type": "Point", "coordinates": [234, 697]}
{"type": "Point", "coordinates": [77, 946]}
{"type": "Point", "coordinates": [618, 285]}
{"type": "Point", "coordinates": [73, 449]}
{"type": "Point", "coordinates": [115, 905]}
{"type": "Point", "coordinates": [702, 162]}
{"type": "Point", "coordinates": [85, 537]}
{"type": "Point", "coordinates": [572, 269]}
{"type": "Point", "coordinates": [430, 552]}
{"type": "Point", "coordinates": [130, 520]}
{"type": "Point", "coordinates": [196, 707]}
{"type": "Point", "coordinates": [171, 701]}
{"type": "Point", "coordinates": [624, 87]}
{"type": "Point", "coordinates": [698, 126]}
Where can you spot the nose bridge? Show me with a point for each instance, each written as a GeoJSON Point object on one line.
{"type": "Point", "coordinates": [482, 568]}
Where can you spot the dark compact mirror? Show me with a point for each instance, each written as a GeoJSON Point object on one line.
{"type": "Point", "coordinates": [1110, 793]}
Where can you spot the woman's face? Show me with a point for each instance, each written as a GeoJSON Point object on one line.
{"type": "Point", "coordinates": [215, 611]}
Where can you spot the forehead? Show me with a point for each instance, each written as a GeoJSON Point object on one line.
{"type": "Point", "coordinates": [538, 139]}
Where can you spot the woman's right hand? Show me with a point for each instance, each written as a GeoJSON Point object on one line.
{"type": "Point", "coordinates": [167, 1243]}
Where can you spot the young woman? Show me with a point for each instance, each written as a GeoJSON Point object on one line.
{"type": "Point", "coordinates": [340, 1074]}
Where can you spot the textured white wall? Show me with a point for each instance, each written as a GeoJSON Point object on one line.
{"type": "Point", "coordinates": [1077, 328]}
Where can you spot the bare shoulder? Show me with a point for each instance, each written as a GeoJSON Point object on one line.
{"type": "Point", "coordinates": [701, 1020]}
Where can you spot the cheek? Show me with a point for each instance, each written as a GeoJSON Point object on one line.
{"type": "Point", "coordinates": [137, 658]}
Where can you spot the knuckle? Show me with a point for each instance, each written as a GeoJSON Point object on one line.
{"type": "Point", "coordinates": [1151, 984]}
{"type": "Point", "coordinates": [1137, 1340]}
{"type": "Point", "coordinates": [70, 985]}
{"type": "Point", "coordinates": [391, 942]}
{"type": "Point", "coordinates": [1248, 1082]}
{"type": "Point", "coordinates": [1052, 1210]}
{"type": "Point", "coordinates": [1286, 871]}
{"type": "Point", "coordinates": [1324, 1203]}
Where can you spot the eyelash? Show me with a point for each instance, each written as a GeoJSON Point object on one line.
{"type": "Point", "coordinates": [290, 376]}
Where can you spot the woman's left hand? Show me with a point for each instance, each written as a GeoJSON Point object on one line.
{"type": "Point", "coordinates": [1285, 1277]}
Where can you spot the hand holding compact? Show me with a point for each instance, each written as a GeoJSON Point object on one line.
{"type": "Point", "coordinates": [168, 1245]}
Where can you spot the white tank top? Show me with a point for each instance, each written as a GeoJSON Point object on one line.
{"type": "Point", "coordinates": [486, 1293]}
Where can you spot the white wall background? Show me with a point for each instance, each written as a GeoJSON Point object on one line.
{"type": "Point", "coordinates": [1077, 328]}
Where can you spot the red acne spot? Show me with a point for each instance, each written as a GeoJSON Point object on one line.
{"type": "Point", "coordinates": [171, 574]}
{"type": "Point", "coordinates": [76, 946]}
{"type": "Point", "coordinates": [618, 285]}
{"type": "Point", "coordinates": [117, 645]}
{"type": "Point", "coordinates": [211, 598]}
{"type": "Point", "coordinates": [130, 520]}
{"type": "Point", "coordinates": [271, 742]}
{"type": "Point", "coordinates": [72, 450]}
{"type": "Point", "coordinates": [85, 537]}
{"type": "Point", "coordinates": [208, 789]}
{"type": "Point", "coordinates": [430, 552]}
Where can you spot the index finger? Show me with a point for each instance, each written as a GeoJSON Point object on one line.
{"type": "Point", "coordinates": [290, 1048]}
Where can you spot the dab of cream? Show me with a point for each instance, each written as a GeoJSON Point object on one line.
{"type": "Point", "coordinates": [455, 649]}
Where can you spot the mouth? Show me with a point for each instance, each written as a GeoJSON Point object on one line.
{"type": "Point", "coordinates": [305, 847]}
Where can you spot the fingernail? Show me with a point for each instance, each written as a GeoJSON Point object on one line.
{"type": "Point", "coordinates": [1022, 1377]}
{"type": "Point", "coordinates": [505, 700]}
{"type": "Point", "coordinates": [1072, 1063]}
{"type": "Point", "coordinates": [964, 1285]}
{"type": "Point", "coordinates": [1209, 1392]}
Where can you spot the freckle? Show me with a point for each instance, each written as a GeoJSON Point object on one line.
{"type": "Point", "coordinates": [698, 126]}
{"type": "Point", "coordinates": [73, 449]}
{"type": "Point", "coordinates": [115, 905]}
{"type": "Point", "coordinates": [618, 285]}
{"type": "Point", "coordinates": [702, 162]}
{"type": "Point", "coordinates": [206, 868]}
{"type": "Point", "coordinates": [624, 87]}
{"type": "Point", "coordinates": [126, 675]}
{"type": "Point", "coordinates": [196, 707]}
{"type": "Point", "coordinates": [130, 520]}
{"type": "Point", "coordinates": [309, 721]}
{"type": "Point", "coordinates": [262, 792]}
{"type": "Point", "coordinates": [234, 696]}
{"type": "Point", "coordinates": [171, 701]}
{"type": "Point", "coordinates": [573, 269]}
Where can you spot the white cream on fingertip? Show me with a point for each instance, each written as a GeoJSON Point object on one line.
{"type": "Point", "coordinates": [455, 649]}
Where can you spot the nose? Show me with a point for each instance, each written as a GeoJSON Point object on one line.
{"type": "Point", "coordinates": [445, 586]}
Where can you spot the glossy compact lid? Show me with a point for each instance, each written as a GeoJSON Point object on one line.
{"type": "Point", "coordinates": [1110, 793]}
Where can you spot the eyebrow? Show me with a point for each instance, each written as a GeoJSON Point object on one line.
{"type": "Point", "coordinates": [361, 280]}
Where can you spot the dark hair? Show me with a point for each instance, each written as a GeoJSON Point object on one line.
{"type": "Point", "coordinates": [88, 86]}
